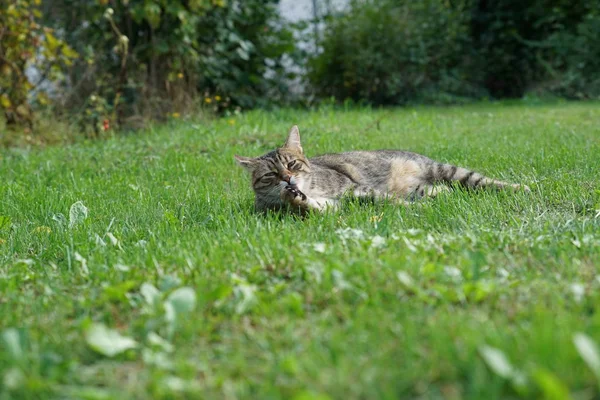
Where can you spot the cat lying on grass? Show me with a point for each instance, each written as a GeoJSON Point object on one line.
{"type": "Point", "coordinates": [285, 178]}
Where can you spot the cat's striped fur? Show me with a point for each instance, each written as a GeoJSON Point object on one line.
{"type": "Point", "coordinates": [285, 177]}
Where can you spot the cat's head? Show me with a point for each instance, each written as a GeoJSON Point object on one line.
{"type": "Point", "coordinates": [273, 171]}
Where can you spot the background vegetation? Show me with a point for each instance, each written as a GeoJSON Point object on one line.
{"type": "Point", "coordinates": [394, 52]}
{"type": "Point", "coordinates": [104, 65]}
{"type": "Point", "coordinates": [134, 60]}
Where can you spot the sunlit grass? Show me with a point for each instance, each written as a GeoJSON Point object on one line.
{"type": "Point", "coordinates": [373, 301]}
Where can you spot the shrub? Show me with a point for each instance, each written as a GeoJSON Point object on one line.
{"type": "Point", "coordinates": [573, 68]}
{"type": "Point", "coordinates": [511, 39]}
{"type": "Point", "coordinates": [395, 51]}
{"type": "Point", "coordinates": [26, 44]}
{"type": "Point", "coordinates": [156, 58]}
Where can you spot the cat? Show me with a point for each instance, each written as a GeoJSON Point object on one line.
{"type": "Point", "coordinates": [286, 179]}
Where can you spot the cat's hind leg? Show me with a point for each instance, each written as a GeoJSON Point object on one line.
{"type": "Point", "coordinates": [370, 193]}
{"type": "Point", "coordinates": [426, 190]}
{"type": "Point", "coordinates": [434, 190]}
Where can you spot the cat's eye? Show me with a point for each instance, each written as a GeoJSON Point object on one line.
{"type": "Point", "coordinates": [269, 175]}
{"type": "Point", "coordinates": [291, 164]}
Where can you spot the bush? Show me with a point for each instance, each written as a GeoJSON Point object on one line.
{"type": "Point", "coordinates": [393, 52]}
{"type": "Point", "coordinates": [140, 58]}
{"type": "Point", "coordinates": [573, 69]}
{"type": "Point", "coordinates": [26, 44]}
{"type": "Point", "coordinates": [511, 39]}
{"type": "Point", "coordinates": [396, 51]}
{"type": "Point", "coordinates": [157, 58]}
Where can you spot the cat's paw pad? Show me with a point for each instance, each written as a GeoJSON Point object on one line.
{"type": "Point", "coordinates": [292, 194]}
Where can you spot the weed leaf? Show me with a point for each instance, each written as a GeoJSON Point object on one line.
{"type": "Point", "coordinates": [77, 214]}
{"type": "Point", "coordinates": [150, 292]}
{"type": "Point", "coordinates": [108, 342]}
{"type": "Point", "coordinates": [12, 342]}
{"type": "Point", "coordinates": [588, 351]}
{"type": "Point", "coordinates": [550, 385]}
{"type": "Point", "coordinates": [183, 300]}
{"type": "Point", "coordinates": [496, 361]}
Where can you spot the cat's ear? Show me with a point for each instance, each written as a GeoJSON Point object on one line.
{"type": "Point", "coordinates": [293, 140]}
{"type": "Point", "coordinates": [245, 162]}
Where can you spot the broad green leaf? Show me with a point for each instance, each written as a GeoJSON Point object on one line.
{"type": "Point", "coordinates": [156, 340]}
{"type": "Point", "coordinates": [108, 342]}
{"type": "Point", "coordinates": [246, 45]}
{"type": "Point", "coordinates": [60, 219]}
{"type": "Point", "coordinates": [180, 302]}
{"type": "Point", "coordinates": [496, 361]}
{"type": "Point", "coordinates": [550, 385]}
{"type": "Point", "coordinates": [83, 263]}
{"type": "Point", "coordinates": [12, 343]}
{"type": "Point", "coordinates": [51, 41]}
{"type": "Point", "coordinates": [152, 14]}
{"type": "Point", "coordinates": [176, 384]}
{"type": "Point", "coordinates": [150, 292]}
{"type": "Point", "coordinates": [243, 54]}
{"type": "Point", "coordinates": [588, 351]}
{"type": "Point", "coordinates": [77, 213]}
{"type": "Point", "coordinates": [183, 300]}
{"type": "Point", "coordinates": [69, 52]}
{"type": "Point", "coordinates": [157, 358]}
{"type": "Point", "coordinates": [13, 378]}
{"type": "Point", "coordinates": [168, 282]}
{"type": "Point", "coordinates": [5, 101]}
{"type": "Point", "coordinates": [245, 294]}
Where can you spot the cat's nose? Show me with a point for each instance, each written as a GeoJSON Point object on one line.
{"type": "Point", "coordinates": [287, 178]}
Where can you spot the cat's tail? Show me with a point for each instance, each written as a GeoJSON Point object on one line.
{"type": "Point", "coordinates": [450, 174]}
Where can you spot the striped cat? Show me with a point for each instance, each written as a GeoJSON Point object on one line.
{"type": "Point", "coordinates": [285, 178]}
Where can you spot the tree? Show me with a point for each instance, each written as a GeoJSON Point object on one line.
{"type": "Point", "coordinates": [26, 44]}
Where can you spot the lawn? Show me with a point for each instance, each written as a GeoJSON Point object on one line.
{"type": "Point", "coordinates": [136, 268]}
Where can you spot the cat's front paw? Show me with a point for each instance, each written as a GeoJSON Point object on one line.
{"type": "Point", "coordinates": [291, 194]}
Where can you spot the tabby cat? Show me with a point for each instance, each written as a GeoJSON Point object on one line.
{"type": "Point", "coordinates": [285, 178]}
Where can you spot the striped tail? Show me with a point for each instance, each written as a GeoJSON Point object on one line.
{"type": "Point", "coordinates": [449, 174]}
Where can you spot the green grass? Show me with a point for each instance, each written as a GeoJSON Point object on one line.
{"type": "Point", "coordinates": [291, 308]}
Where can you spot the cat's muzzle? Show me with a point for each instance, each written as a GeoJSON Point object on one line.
{"type": "Point", "coordinates": [292, 182]}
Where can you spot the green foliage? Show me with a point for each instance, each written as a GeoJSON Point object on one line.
{"type": "Point", "coordinates": [177, 52]}
{"type": "Point", "coordinates": [25, 43]}
{"type": "Point", "coordinates": [240, 53]}
{"type": "Point", "coordinates": [573, 70]}
{"type": "Point", "coordinates": [517, 40]}
{"type": "Point", "coordinates": [392, 52]}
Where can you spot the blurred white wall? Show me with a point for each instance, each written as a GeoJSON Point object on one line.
{"type": "Point", "coordinates": [304, 10]}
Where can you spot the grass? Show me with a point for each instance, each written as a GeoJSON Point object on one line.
{"type": "Point", "coordinates": [469, 296]}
